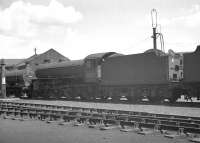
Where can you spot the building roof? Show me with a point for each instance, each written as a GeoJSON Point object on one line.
{"type": "Point", "coordinates": [38, 56]}
{"type": "Point", "coordinates": [10, 62]}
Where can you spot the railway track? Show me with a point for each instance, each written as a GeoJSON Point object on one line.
{"type": "Point", "coordinates": [195, 104]}
{"type": "Point", "coordinates": [95, 116]}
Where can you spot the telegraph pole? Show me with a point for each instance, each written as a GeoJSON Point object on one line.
{"type": "Point", "coordinates": [3, 79]}
{"type": "Point", "coordinates": [154, 26]}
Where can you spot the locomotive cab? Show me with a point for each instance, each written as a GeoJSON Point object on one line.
{"type": "Point", "coordinates": [93, 68]}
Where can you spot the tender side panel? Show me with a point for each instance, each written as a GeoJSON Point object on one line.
{"type": "Point", "coordinates": [144, 68]}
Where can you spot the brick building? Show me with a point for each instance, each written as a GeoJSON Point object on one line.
{"type": "Point", "coordinates": [50, 56]}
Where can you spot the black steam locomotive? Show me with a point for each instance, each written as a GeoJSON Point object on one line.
{"type": "Point", "coordinates": [152, 75]}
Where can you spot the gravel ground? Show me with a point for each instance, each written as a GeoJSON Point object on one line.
{"type": "Point", "coordinates": [158, 109]}
{"type": "Point", "coordinates": [41, 132]}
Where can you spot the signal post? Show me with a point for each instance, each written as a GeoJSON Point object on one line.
{"type": "Point", "coordinates": [3, 79]}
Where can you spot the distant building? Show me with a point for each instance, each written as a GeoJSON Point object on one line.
{"type": "Point", "coordinates": [50, 56]}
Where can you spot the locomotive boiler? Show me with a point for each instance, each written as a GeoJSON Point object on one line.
{"type": "Point", "coordinates": [78, 79]}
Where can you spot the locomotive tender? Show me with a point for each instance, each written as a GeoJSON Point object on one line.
{"type": "Point", "coordinates": [153, 75]}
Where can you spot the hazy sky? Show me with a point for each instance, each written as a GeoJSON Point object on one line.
{"type": "Point", "coordinates": [77, 28]}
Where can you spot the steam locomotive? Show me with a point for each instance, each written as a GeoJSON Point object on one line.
{"type": "Point", "coordinates": [152, 75]}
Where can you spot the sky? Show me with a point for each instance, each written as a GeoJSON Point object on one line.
{"type": "Point", "coordinates": [77, 28]}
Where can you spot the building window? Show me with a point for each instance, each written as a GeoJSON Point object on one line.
{"type": "Point", "coordinates": [174, 76]}
{"type": "Point", "coordinates": [99, 71]}
{"type": "Point", "coordinates": [47, 61]}
{"type": "Point", "coordinates": [60, 60]}
{"type": "Point", "coordinates": [176, 68]}
{"type": "Point", "coordinates": [181, 62]}
{"type": "Point", "coordinates": [181, 74]}
{"type": "Point", "coordinates": [172, 60]}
